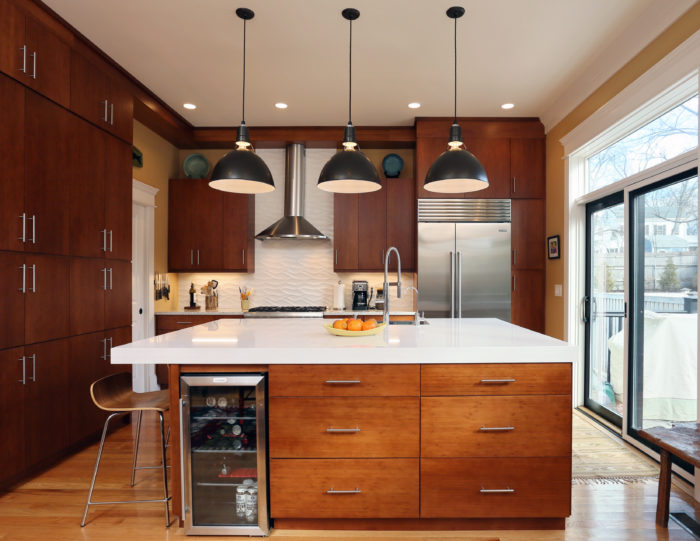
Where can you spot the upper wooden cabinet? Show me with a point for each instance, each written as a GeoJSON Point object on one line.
{"type": "Point", "coordinates": [366, 225]}
{"type": "Point", "coordinates": [12, 98]}
{"type": "Point", "coordinates": [99, 98]}
{"type": "Point", "coordinates": [34, 54]}
{"type": "Point", "coordinates": [527, 167]}
{"type": "Point", "coordinates": [528, 234]}
{"type": "Point", "coordinates": [203, 223]}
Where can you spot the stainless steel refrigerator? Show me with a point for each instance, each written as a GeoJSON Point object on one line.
{"type": "Point", "coordinates": [464, 257]}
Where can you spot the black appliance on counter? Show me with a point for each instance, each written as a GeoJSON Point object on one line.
{"type": "Point", "coordinates": [360, 295]}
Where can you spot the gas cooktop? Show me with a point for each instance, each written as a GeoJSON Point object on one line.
{"type": "Point", "coordinates": [286, 311]}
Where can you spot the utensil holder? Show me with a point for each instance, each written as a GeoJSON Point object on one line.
{"type": "Point", "coordinates": [245, 305]}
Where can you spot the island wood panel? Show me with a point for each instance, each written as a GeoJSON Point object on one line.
{"type": "Point", "coordinates": [483, 379]}
{"type": "Point", "coordinates": [451, 487]}
{"type": "Point", "coordinates": [12, 97]}
{"type": "Point", "coordinates": [12, 390]}
{"type": "Point", "coordinates": [541, 426]}
{"type": "Point", "coordinates": [388, 488]}
{"type": "Point", "coordinates": [344, 380]}
{"type": "Point", "coordinates": [387, 427]}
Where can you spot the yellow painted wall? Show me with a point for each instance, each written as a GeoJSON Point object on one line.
{"type": "Point", "coordinates": [160, 163]}
{"type": "Point", "coordinates": [673, 36]}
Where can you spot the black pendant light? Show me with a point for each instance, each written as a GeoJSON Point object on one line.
{"type": "Point", "coordinates": [242, 170]}
{"type": "Point", "coordinates": [349, 171]}
{"type": "Point", "coordinates": [456, 170]}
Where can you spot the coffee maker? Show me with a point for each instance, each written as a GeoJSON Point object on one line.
{"type": "Point", "coordinates": [360, 295]}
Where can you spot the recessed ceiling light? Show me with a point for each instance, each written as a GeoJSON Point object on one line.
{"type": "Point", "coordinates": [507, 106]}
{"type": "Point", "coordinates": [281, 105]}
{"type": "Point", "coordinates": [414, 105]}
{"type": "Point", "coordinates": [189, 105]}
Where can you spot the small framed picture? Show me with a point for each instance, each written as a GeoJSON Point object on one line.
{"type": "Point", "coordinates": [553, 247]}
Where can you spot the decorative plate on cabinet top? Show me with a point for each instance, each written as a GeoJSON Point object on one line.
{"type": "Point", "coordinates": [196, 166]}
{"type": "Point", "coordinates": [392, 165]}
{"type": "Point", "coordinates": [344, 332]}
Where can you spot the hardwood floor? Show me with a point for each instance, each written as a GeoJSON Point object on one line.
{"type": "Point", "coordinates": [50, 507]}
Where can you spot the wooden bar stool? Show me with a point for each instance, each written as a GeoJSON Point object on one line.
{"type": "Point", "coordinates": [114, 394]}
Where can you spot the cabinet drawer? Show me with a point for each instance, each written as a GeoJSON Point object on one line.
{"type": "Point", "coordinates": [174, 323]}
{"type": "Point", "coordinates": [495, 379]}
{"type": "Point", "coordinates": [520, 426]}
{"type": "Point", "coordinates": [344, 380]}
{"type": "Point", "coordinates": [343, 427]}
{"type": "Point", "coordinates": [454, 487]}
{"type": "Point", "coordinates": [376, 488]}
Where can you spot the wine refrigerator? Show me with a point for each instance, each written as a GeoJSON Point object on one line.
{"type": "Point", "coordinates": [224, 454]}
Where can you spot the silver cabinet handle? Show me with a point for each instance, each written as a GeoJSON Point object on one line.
{"type": "Point", "coordinates": [506, 490]}
{"type": "Point", "coordinates": [34, 55]}
{"type": "Point", "coordinates": [33, 219]}
{"type": "Point", "coordinates": [343, 430]}
{"type": "Point", "coordinates": [514, 282]}
{"type": "Point", "coordinates": [459, 285]}
{"type": "Point", "coordinates": [243, 257]}
{"type": "Point", "coordinates": [110, 278]}
{"type": "Point", "coordinates": [104, 279]}
{"type": "Point", "coordinates": [33, 357]}
{"type": "Point", "coordinates": [513, 184]}
{"type": "Point", "coordinates": [342, 381]}
{"type": "Point", "coordinates": [496, 428]}
{"type": "Point", "coordinates": [23, 69]}
{"type": "Point", "coordinates": [452, 284]}
{"type": "Point", "coordinates": [104, 240]}
{"type": "Point", "coordinates": [110, 240]}
{"type": "Point", "coordinates": [23, 217]}
{"type": "Point", "coordinates": [111, 114]}
{"type": "Point", "coordinates": [515, 257]}
{"type": "Point", "coordinates": [184, 322]}
{"type": "Point", "coordinates": [104, 349]}
{"type": "Point", "coordinates": [197, 257]}
{"type": "Point", "coordinates": [382, 257]}
{"type": "Point", "coordinates": [33, 289]}
{"type": "Point", "coordinates": [109, 351]}
{"type": "Point", "coordinates": [23, 268]}
{"type": "Point", "coordinates": [336, 256]}
{"type": "Point", "coordinates": [191, 257]}
{"type": "Point", "coordinates": [183, 481]}
{"type": "Point", "coordinates": [104, 118]}
{"type": "Point", "coordinates": [23, 381]}
{"type": "Point", "coordinates": [333, 491]}
{"type": "Point", "coordinates": [502, 380]}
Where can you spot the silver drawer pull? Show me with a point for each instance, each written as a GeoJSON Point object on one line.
{"type": "Point", "coordinates": [501, 380]}
{"type": "Point", "coordinates": [333, 491]}
{"type": "Point", "coordinates": [496, 428]}
{"type": "Point", "coordinates": [343, 430]}
{"type": "Point", "coordinates": [342, 381]}
{"type": "Point", "coordinates": [184, 323]}
{"type": "Point", "coordinates": [506, 490]}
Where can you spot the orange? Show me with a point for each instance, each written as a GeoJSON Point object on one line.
{"type": "Point", "coordinates": [369, 324]}
{"type": "Point", "coordinates": [340, 324]}
{"type": "Point", "coordinates": [354, 325]}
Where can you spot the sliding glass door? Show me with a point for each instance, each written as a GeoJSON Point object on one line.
{"type": "Point", "coordinates": [663, 302]}
{"type": "Point", "coordinates": [604, 309]}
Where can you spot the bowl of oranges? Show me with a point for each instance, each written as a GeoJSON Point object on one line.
{"type": "Point", "coordinates": [354, 327]}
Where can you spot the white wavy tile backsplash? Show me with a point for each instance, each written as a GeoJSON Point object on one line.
{"type": "Point", "coordinates": [290, 272]}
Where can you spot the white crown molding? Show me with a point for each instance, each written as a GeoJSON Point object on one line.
{"type": "Point", "coordinates": [143, 194]}
{"type": "Point", "coordinates": [655, 19]}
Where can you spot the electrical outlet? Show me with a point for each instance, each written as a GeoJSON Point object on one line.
{"type": "Point", "coordinates": [557, 290]}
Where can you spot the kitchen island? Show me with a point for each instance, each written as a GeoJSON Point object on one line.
{"type": "Point", "coordinates": [462, 424]}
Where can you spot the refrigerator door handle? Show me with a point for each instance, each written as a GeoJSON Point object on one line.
{"type": "Point", "coordinates": [459, 285]}
{"type": "Point", "coordinates": [452, 285]}
{"type": "Point", "coordinates": [183, 481]}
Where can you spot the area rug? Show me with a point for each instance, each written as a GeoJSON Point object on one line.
{"type": "Point", "coordinates": [600, 457]}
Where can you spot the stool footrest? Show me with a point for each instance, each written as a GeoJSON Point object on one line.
{"type": "Point", "coordinates": [162, 500]}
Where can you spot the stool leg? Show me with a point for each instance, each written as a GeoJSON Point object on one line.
{"type": "Point", "coordinates": [165, 469]}
{"type": "Point", "coordinates": [136, 447]}
{"type": "Point", "coordinates": [664, 496]}
{"type": "Point", "coordinates": [97, 467]}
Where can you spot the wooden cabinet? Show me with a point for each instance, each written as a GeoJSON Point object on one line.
{"type": "Point", "coordinates": [12, 388]}
{"type": "Point", "coordinates": [170, 323]}
{"type": "Point", "coordinates": [527, 158]}
{"type": "Point", "coordinates": [197, 227]}
{"type": "Point", "coordinates": [46, 301]}
{"type": "Point", "coordinates": [89, 280]}
{"type": "Point", "coordinates": [87, 364]}
{"type": "Point", "coordinates": [13, 30]}
{"type": "Point", "coordinates": [528, 234]}
{"type": "Point", "coordinates": [12, 97]}
{"type": "Point", "coordinates": [527, 299]}
{"type": "Point", "coordinates": [118, 195]}
{"type": "Point", "coordinates": [401, 220]}
{"type": "Point", "coordinates": [13, 275]}
{"type": "Point", "coordinates": [345, 228]}
{"type": "Point", "coordinates": [371, 229]}
{"type": "Point", "coordinates": [118, 294]}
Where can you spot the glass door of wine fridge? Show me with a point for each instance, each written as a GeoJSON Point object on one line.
{"type": "Point", "coordinates": [224, 454]}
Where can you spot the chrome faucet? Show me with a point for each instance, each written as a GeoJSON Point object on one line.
{"type": "Point", "coordinates": [416, 317]}
{"type": "Point", "coordinates": [387, 283]}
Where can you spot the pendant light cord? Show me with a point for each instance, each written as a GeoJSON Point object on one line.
{"type": "Point", "coordinates": [455, 71]}
{"type": "Point", "coordinates": [350, 81]}
{"type": "Point", "coordinates": [244, 43]}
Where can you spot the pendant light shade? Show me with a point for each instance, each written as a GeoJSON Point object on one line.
{"type": "Point", "coordinates": [349, 170]}
{"type": "Point", "coordinates": [242, 170]}
{"type": "Point", "coordinates": [456, 170]}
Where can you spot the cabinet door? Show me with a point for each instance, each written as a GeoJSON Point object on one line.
{"type": "Point", "coordinates": [121, 113]}
{"type": "Point", "coordinates": [116, 337]}
{"type": "Point", "coordinates": [12, 389]}
{"type": "Point", "coordinates": [88, 236]}
{"type": "Point", "coordinates": [237, 239]}
{"type": "Point", "coordinates": [180, 237]}
{"type": "Point", "coordinates": [427, 151]}
{"type": "Point", "coordinates": [345, 227]}
{"type": "Point", "coordinates": [48, 63]}
{"type": "Point", "coordinates": [12, 30]}
{"type": "Point", "coordinates": [46, 302]}
{"type": "Point", "coordinates": [48, 174]}
{"type": "Point", "coordinates": [88, 91]}
{"type": "Point", "coordinates": [89, 280]}
{"type": "Point", "coordinates": [117, 202]}
{"type": "Point", "coordinates": [118, 295]}
{"type": "Point", "coordinates": [527, 299]}
{"type": "Point", "coordinates": [401, 219]}
{"type": "Point", "coordinates": [528, 234]}
{"type": "Point", "coordinates": [87, 359]}
{"type": "Point", "coordinates": [371, 229]}
{"type": "Point", "coordinates": [13, 275]}
{"type": "Point", "coordinates": [207, 224]}
{"type": "Point", "coordinates": [46, 422]}
{"type": "Point", "coordinates": [494, 155]}
{"type": "Point", "coordinates": [527, 167]}
{"type": "Point", "coordinates": [11, 160]}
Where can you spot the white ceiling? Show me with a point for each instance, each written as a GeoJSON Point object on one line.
{"type": "Point", "coordinates": [528, 52]}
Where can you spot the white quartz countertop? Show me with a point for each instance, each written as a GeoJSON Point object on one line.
{"type": "Point", "coordinates": [306, 341]}
{"type": "Point", "coordinates": [333, 313]}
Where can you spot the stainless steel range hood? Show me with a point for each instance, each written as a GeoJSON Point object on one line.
{"type": "Point", "coordinates": [293, 225]}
